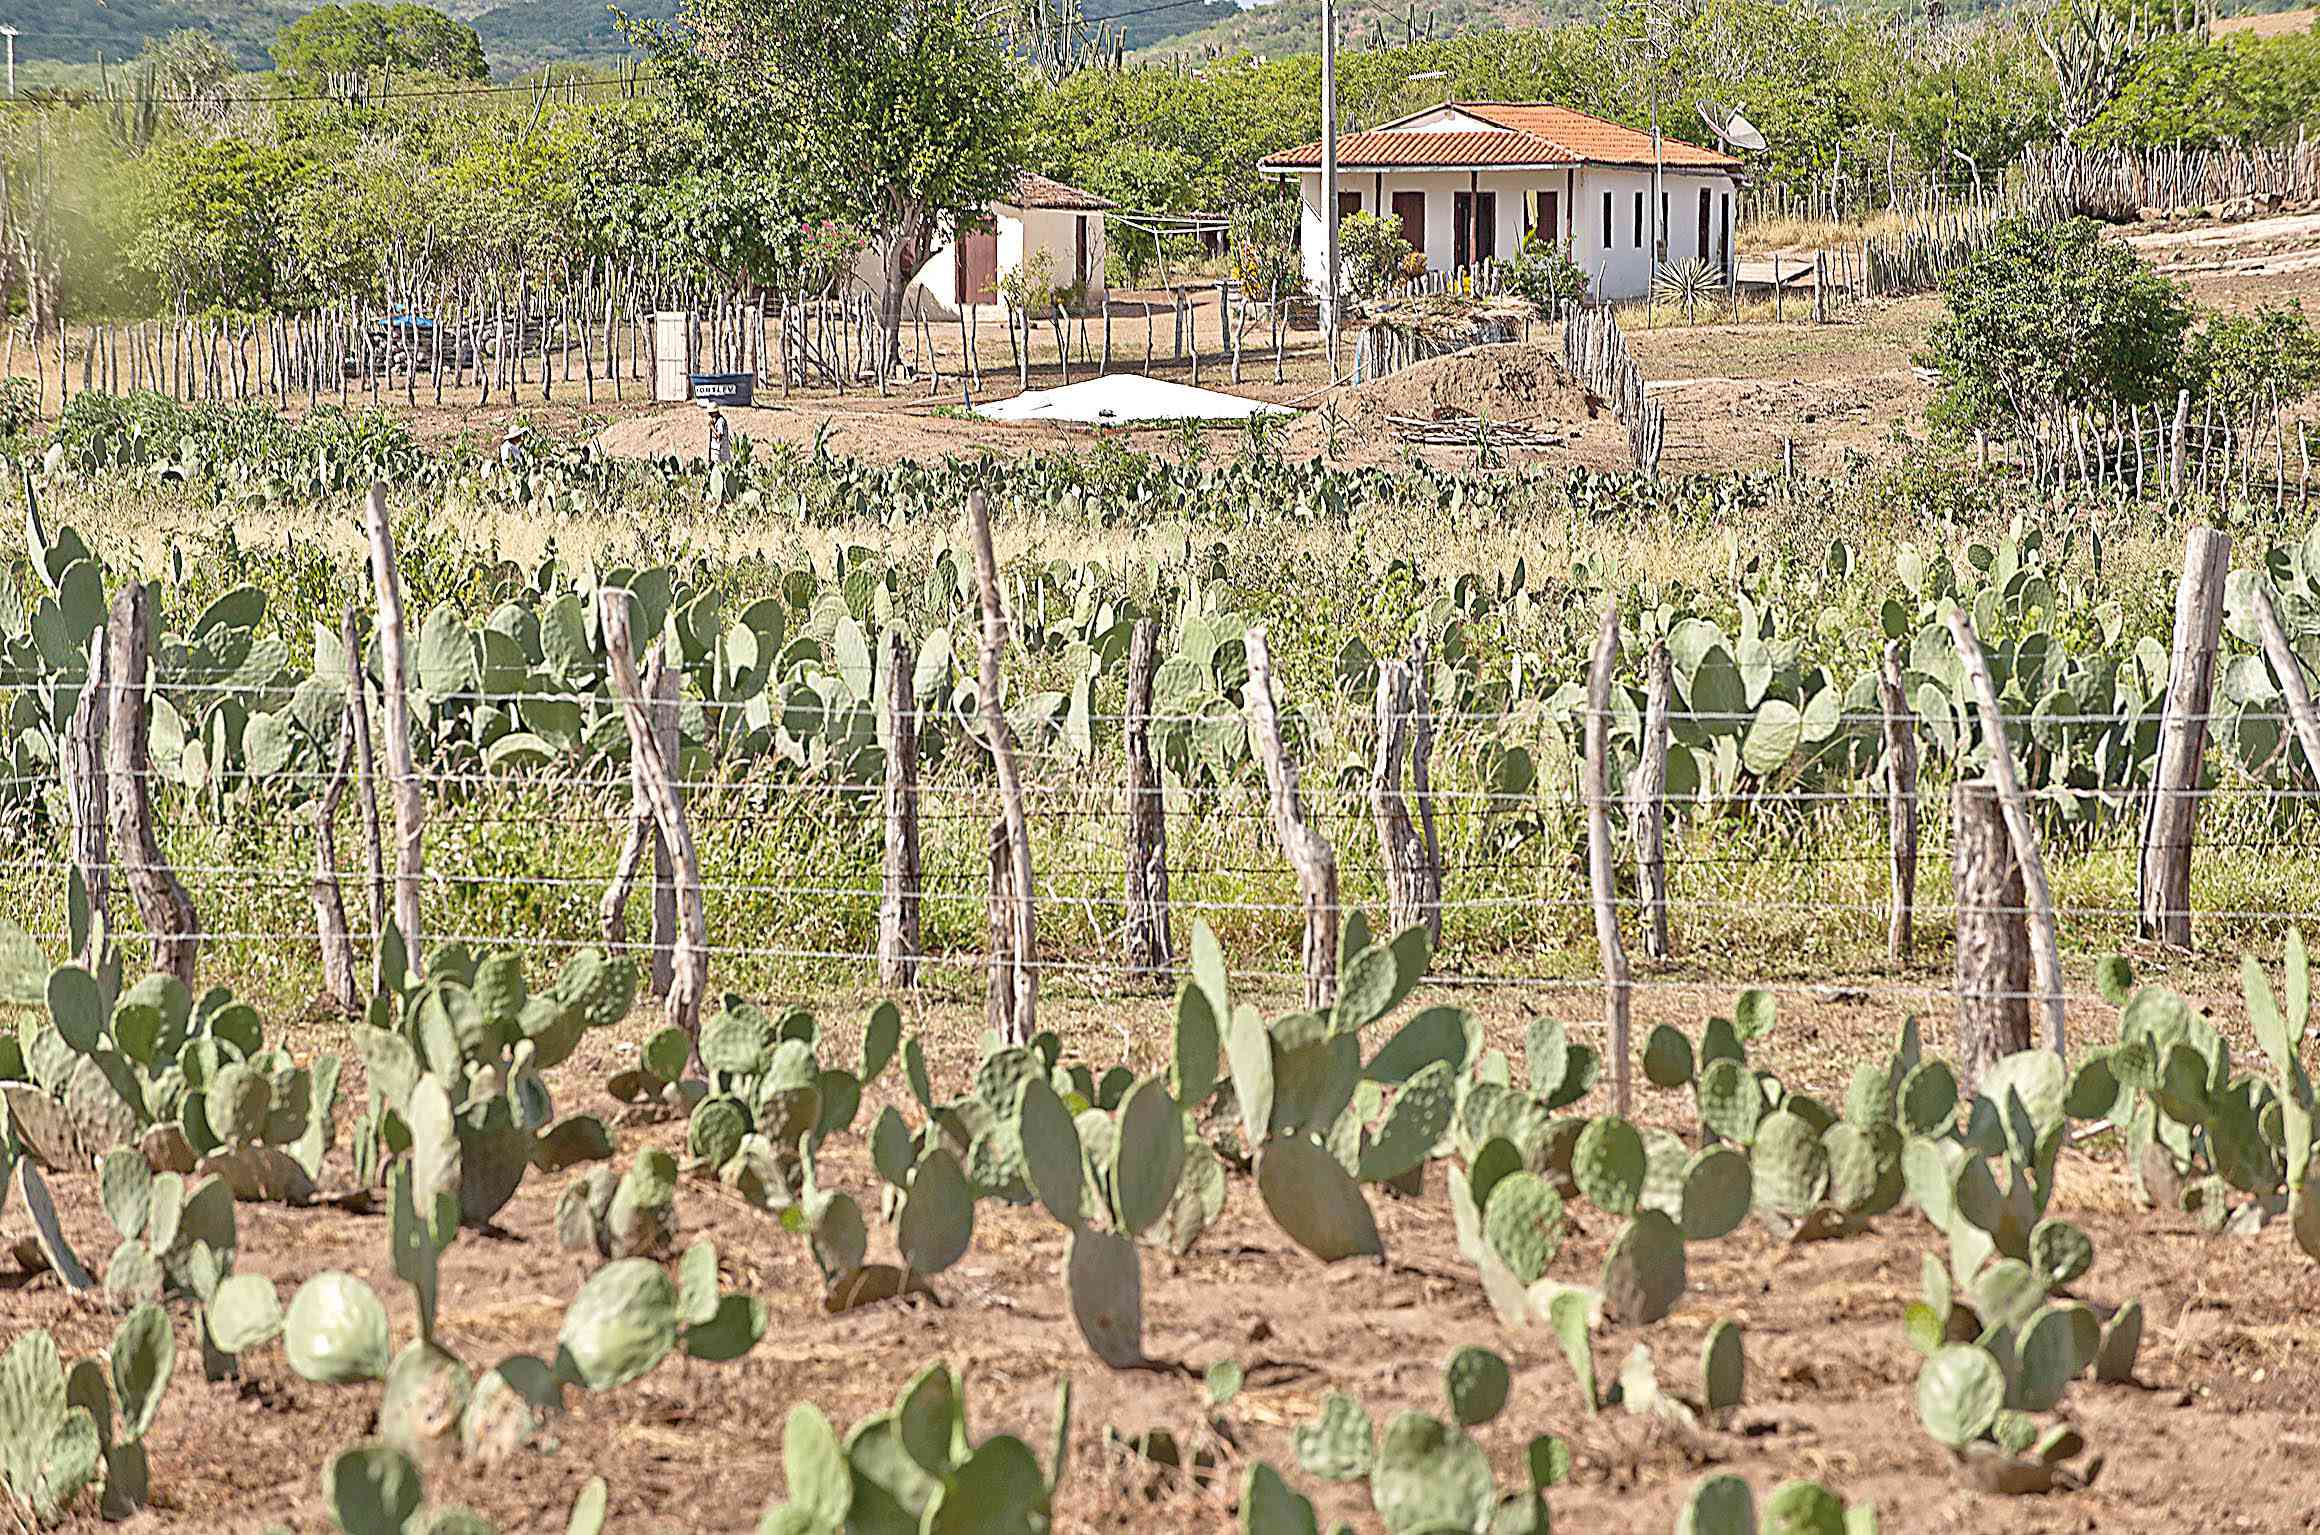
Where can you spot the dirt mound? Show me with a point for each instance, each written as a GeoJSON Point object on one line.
{"type": "Point", "coordinates": [679, 431]}
{"type": "Point", "coordinates": [1516, 381]}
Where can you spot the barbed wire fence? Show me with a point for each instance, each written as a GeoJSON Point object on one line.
{"type": "Point", "coordinates": [1926, 893]}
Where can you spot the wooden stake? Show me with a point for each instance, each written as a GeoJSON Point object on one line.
{"type": "Point", "coordinates": [1308, 851]}
{"type": "Point", "coordinates": [1900, 801]}
{"type": "Point", "coordinates": [161, 899]}
{"type": "Point", "coordinates": [1413, 883]}
{"type": "Point", "coordinates": [2289, 669]}
{"type": "Point", "coordinates": [2170, 828]}
{"type": "Point", "coordinates": [1615, 980]}
{"type": "Point", "coordinates": [1150, 949]}
{"type": "Point", "coordinates": [690, 964]}
{"type": "Point", "coordinates": [1993, 943]}
{"type": "Point", "coordinates": [1647, 807]}
{"type": "Point", "coordinates": [1015, 972]}
{"type": "Point", "coordinates": [402, 773]}
{"type": "Point", "coordinates": [899, 947]}
{"type": "Point", "coordinates": [2046, 959]}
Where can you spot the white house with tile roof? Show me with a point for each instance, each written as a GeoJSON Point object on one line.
{"type": "Point", "coordinates": [1469, 179]}
{"type": "Point", "coordinates": [1039, 216]}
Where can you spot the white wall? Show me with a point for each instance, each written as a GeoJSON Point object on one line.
{"type": "Point", "coordinates": [1621, 269]}
{"type": "Point", "coordinates": [934, 289]}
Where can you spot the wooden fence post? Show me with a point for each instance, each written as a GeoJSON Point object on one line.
{"type": "Point", "coordinates": [2170, 828]}
{"type": "Point", "coordinates": [87, 797]}
{"type": "Point", "coordinates": [2289, 669]}
{"type": "Point", "coordinates": [161, 899]}
{"type": "Point", "coordinates": [1151, 949]}
{"type": "Point", "coordinates": [1308, 851]}
{"type": "Point", "coordinates": [1647, 807]}
{"type": "Point", "coordinates": [643, 834]}
{"type": "Point", "coordinates": [1615, 979]}
{"type": "Point", "coordinates": [1014, 998]}
{"type": "Point", "coordinates": [898, 932]}
{"type": "Point", "coordinates": [402, 775]}
{"type": "Point", "coordinates": [2046, 960]}
{"type": "Point", "coordinates": [1900, 801]}
{"type": "Point", "coordinates": [1993, 943]}
{"type": "Point", "coordinates": [1413, 883]}
{"type": "Point", "coordinates": [689, 978]}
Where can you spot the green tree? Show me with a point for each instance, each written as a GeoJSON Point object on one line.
{"type": "Point", "coordinates": [2051, 317]}
{"type": "Point", "coordinates": [1975, 111]}
{"type": "Point", "coordinates": [2188, 91]}
{"type": "Point", "coordinates": [897, 117]}
{"type": "Point", "coordinates": [211, 220]}
{"type": "Point", "coordinates": [2253, 363]}
{"type": "Point", "coordinates": [362, 36]}
{"type": "Point", "coordinates": [1544, 272]}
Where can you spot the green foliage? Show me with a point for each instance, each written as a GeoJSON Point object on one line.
{"type": "Point", "coordinates": [2047, 318]}
{"type": "Point", "coordinates": [2253, 362]}
{"type": "Point", "coordinates": [1370, 253]}
{"type": "Point", "coordinates": [1543, 272]}
{"type": "Point", "coordinates": [358, 37]}
{"type": "Point", "coordinates": [2190, 91]}
{"type": "Point", "coordinates": [900, 117]}
{"type": "Point", "coordinates": [1263, 239]}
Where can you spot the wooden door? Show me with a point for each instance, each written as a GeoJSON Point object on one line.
{"type": "Point", "coordinates": [1551, 215]}
{"type": "Point", "coordinates": [1410, 213]}
{"type": "Point", "coordinates": [977, 253]}
{"type": "Point", "coordinates": [1706, 207]}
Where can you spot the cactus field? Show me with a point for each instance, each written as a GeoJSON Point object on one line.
{"type": "Point", "coordinates": [505, 1226]}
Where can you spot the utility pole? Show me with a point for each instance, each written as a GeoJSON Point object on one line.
{"type": "Point", "coordinates": [1329, 179]}
{"type": "Point", "coordinates": [10, 34]}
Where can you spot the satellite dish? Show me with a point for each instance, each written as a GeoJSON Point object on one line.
{"type": "Point", "coordinates": [1731, 127]}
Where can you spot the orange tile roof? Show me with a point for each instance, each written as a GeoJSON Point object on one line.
{"type": "Point", "coordinates": [1526, 133]}
{"type": "Point", "coordinates": [1422, 149]}
{"type": "Point", "coordinates": [1036, 191]}
{"type": "Point", "coordinates": [1592, 138]}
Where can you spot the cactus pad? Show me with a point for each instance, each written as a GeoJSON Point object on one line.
{"type": "Point", "coordinates": [1723, 1367]}
{"type": "Point", "coordinates": [1667, 1057]}
{"type": "Point", "coordinates": [1429, 1475]}
{"type": "Point", "coordinates": [1731, 1102]}
{"type": "Point", "coordinates": [1609, 1165]}
{"type": "Point", "coordinates": [1522, 1219]}
{"type": "Point", "coordinates": [1719, 1188]}
{"type": "Point", "coordinates": [1105, 1279]}
{"type": "Point", "coordinates": [1791, 1164]}
{"type": "Point", "coordinates": [1959, 1392]}
{"type": "Point", "coordinates": [336, 1330]}
{"type": "Point", "coordinates": [1339, 1445]}
{"type": "Point", "coordinates": [621, 1324]}
{"type": "Point", "coordinates": [1315, 1201]}
{"type": "Point", "coordinates": [1643, 1276]}
{"type": "Point", "coordinates": [2059, 1252]}
{"type": "Point", "coordinates": [1719, 1505]}
{"type": "Point", "coordinates": [1477, 1382]}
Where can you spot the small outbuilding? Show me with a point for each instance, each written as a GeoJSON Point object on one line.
{"type": "Point", "coordinates": [1039, 218]}
{"type": "Point", "coordinates": [1469, 180]}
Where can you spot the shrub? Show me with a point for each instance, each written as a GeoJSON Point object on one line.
{"type": "Point", "coordinates": [1544, 272]}
{"type": "Point", "coordinates": [2250, 363]}
{"type": "Point", "coordinates": [1030, 285]}
{"type": "Point", "coordinates": [2053, 317]}
{"type": "Point", "coordinates": [1370, 252]}
{"type": "Point", "coordinates": [19, 406]}
{"type": "Point", "coordinates": [1264, 248]}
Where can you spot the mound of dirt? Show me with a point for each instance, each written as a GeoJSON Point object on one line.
{"type": "Point", "coordinates": [679, 431]}
{"type": "Point", "coordinates": [1516, 381]}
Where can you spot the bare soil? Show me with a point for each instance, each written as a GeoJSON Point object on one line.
{"type": "Point", "coordinates": [2229, 1398]}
